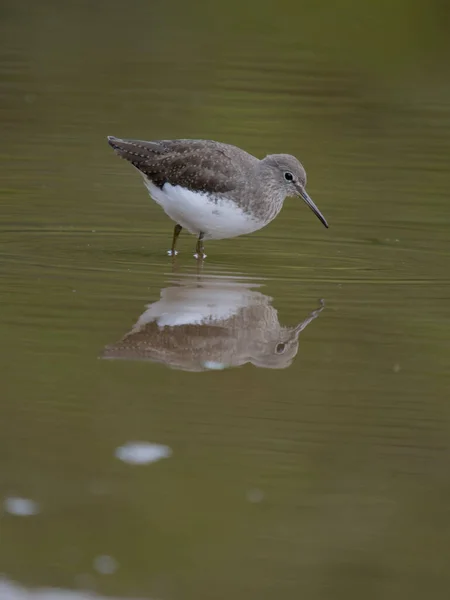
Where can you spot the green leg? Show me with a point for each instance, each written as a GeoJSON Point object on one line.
{"type": "Point", "coordinates": [176, 233]}
{"type": "Point", "coordinates": [199, 249]}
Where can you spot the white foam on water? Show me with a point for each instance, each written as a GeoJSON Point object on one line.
{"type": "Point", "coordinates": [255, 496]}
{"type": "Point", "coordinates": [12, 591]}
{"type": "Point", "coordinates": [106, 565]}
{"type": "Point", "coordinates": [21, 507]}
{"type": "Point", "coordinates": [142, 453]}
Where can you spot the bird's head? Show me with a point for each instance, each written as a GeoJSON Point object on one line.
{"type": "Point", "coordinates": [289, 174]}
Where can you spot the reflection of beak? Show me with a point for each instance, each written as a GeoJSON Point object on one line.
{"type": "Point", "coordinates": [297, 330]}
{"type": "Point", "coordinates": [302, 193]}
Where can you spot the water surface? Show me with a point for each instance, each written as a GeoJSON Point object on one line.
{"type": "Point", "coordinates": [320, 471]}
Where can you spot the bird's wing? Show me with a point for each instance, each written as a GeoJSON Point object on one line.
{"type": "Point", "coordinates": [198, 165]}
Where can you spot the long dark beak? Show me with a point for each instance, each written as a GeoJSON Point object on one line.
{"type": "Point", "coordinates": [302, 193]}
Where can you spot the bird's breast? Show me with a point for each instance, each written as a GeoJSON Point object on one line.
{"type": "Point", "coordinates": [217, 216]}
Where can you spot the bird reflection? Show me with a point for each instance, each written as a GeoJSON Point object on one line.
{"type": "Point", "coordinates": [208, 323]}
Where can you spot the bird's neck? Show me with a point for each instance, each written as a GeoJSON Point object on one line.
{"type": "Point", "coordinates": [269, 200]}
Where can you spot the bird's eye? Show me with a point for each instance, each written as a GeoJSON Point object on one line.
{"type": "Point", "coordinates": [288, 176]}
{"type": "Point", "coordinates": [280, 348]}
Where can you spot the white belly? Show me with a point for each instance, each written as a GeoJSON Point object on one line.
{"type": "Point", "coordinates": [196, 212]}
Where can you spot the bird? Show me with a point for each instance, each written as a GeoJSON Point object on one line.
{"type": "Point", "coordinates": [211, 323]}
{"type": "Point", "coordinates": [212, 189]}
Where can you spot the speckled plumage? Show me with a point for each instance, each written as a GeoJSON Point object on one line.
{"type": "Point", "coordinates": [214, 190]}
{"type": "Point", "coordinates": [198, 165]}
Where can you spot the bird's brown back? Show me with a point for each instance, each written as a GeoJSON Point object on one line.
{"type": "Point", "coordinates": [198, 165]}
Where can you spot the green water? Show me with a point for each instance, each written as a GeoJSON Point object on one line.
{"type": "Point", "coordinates": [321, 472]}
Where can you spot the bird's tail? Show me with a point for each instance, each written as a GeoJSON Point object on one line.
{"type": "Point", "coordinates": [136, 152]}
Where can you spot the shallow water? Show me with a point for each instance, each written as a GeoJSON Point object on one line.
{"type": "Point", "coordinates": [228, 454]}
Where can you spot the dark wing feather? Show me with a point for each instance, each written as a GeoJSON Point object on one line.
{"type": "Point", "coordinates": [199, 165]}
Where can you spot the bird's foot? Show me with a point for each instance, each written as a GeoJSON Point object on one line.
{"type": "Point", "coordinates": [172, 252]}
{"type": "Point", "coordinates": [200, 255]}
